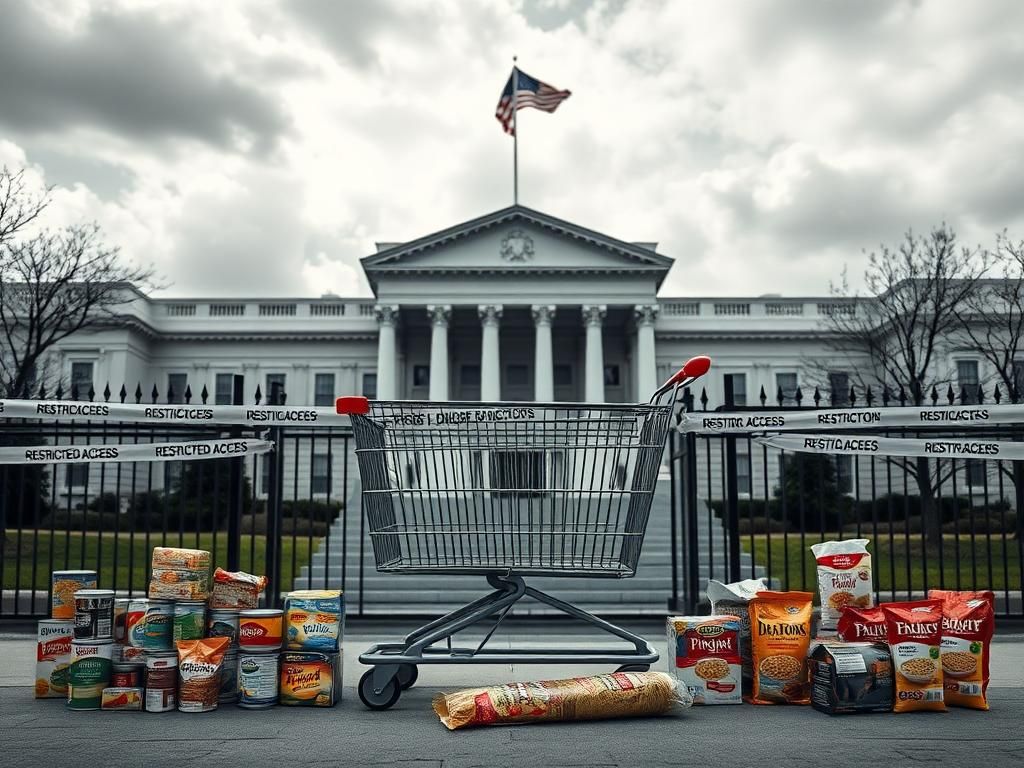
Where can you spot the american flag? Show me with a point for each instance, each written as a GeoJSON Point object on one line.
{"type": "Point", "coordinates": [521, 91]}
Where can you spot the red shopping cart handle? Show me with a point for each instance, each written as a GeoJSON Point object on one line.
{"type": "Point", "coordinates": [352, 405]}
{"type": "Point", "coordinates": [693, 368]}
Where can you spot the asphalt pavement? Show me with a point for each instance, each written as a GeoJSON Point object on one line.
{"type": "Point", "coordinates": [37, 732]}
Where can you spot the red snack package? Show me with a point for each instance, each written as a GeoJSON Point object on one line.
{"type": "Point", "coordinates": [968, 623]}
{"type": "Point", "coordinates": [861, 625]}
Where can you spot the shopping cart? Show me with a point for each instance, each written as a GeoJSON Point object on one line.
{"type": "Point", "coordinates": [506, 490]}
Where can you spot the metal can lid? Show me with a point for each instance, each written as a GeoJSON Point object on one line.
{"type": "Point", "coordinates": [107, 641]}
{"type": "Point", "coordinates": [74, 573]}
{"type": "Point", "coordinates": [61, 622]}
{"type": "Point", "coordinates": [261, 612]}
{"type": "Point", "coordinates": [94, 593]}
{"type": "Point", "coordinates": [127, 666]}
{"type": "Point", "coordinates": [224, 611]}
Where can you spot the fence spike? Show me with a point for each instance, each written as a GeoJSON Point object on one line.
{"type": "Point", "coordinates": [42, 392]}
{"type": "Point", "coordinates": [869, 396]}
{"type": "Point", "coordinates": [703, 398]}
{"type": "Point", "coordinates": [902, 396]}
{"type": "Point", "coordinates": [154, 393]}
{"type": "Point", "coordinates": [935, 396]}
{"type": "Point", "coordinates": [259, 395]}
{"type": "Point", "coordinates": [916, 392]}
{"type": "Point", "coordinates": [74, 391]}
{"type": "Point", "coordinates": [188, 393]}
{"type": "Point", "coordinates": [138, 392]}
{"type": "Point", "coordinates": [763, 397]}
{"type": "Point", "coordinates": [997, 395]}
{"type": "Point", "coordinates": [91, 393]}
{"type": "Point", "coordinates": [205, 394]}
{"type": "Point", "coordinates": [779, 398]}
{"type": "Point", "coordinates": [981, 394]}
{"type": "Point", "coordinates": [853, 397]}
{"type": "Point", "coordinates": [123, 394]}
{"type": "Point", "coordinates": [951, 395]}
{"type": "Point", "coordinates": [170, 393]}
{"type": "Point", "coordinates": [60, 391]}
{"type": "Point", "coordinates": [885, 394]}
{"type": "Point", "coordinates": [799, 397]}
{"type": "Point", "coordinates": [817, 398]}
{"type": "Point", "coordinates": [106, 393]}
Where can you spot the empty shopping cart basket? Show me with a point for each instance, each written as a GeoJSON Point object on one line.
{"type": "Point", "coordinates": [506, 490]}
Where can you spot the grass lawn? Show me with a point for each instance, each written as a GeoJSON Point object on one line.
{"type": "Point", "coordinates": [986, 566]}
{"type": "Point", "coordinates": [95, 551]}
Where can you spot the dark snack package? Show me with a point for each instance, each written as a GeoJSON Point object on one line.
{"type": "Point", "coordinates": [847, 678]}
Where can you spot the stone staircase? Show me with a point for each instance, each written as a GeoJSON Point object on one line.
{"type": "Point", "coordinates": [647, 593]}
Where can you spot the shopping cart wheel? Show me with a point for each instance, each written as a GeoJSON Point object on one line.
{"type": "Point", "coordinates": [372, 699]}
{"type": "Point", "coordinates": [634, 668]}
{"type": "Point", "coordinates": [407, 675]}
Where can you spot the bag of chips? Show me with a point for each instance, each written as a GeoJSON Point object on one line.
{"type": "Point", "coordinates": [968, 623]}
{"type": "Point", "coordinates": [621, 694]}
{"type": "Point", "coordinates": [914, 633]}
{"type": "Point", "coordinates": [844, 578]}
{"type": "Point", "coordinates": [780, 635]}
{"type": "Point", "coordinates": [861, 625]}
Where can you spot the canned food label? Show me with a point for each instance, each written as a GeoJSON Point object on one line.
{"type": "Point", "coordinates": [89, 674]}
{"type": "Point", "coordinates": [189, 622]}
{"type": "Point", "coordinates": [223, 626]}
{"type": "Point", "coordinates": [260, 631]}
{"type": "Point", "coordinates": [229, 678]}
{"type": "Point", "coordinates": [53, 658]}
{"type": "Point", "coordinates": [258, 678]}
{"type": "Point", "coordinates": [161, 684]}
{"type": "Point", "coordinates": [65, 584]}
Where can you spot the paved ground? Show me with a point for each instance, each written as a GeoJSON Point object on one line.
{"type": "Point", "coordinates": [35, 732]}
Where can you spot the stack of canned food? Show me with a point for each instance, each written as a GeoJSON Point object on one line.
{"type": "Point", "coordinates": [157, 654]}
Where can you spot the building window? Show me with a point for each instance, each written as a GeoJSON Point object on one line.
{"type": "Point", "coordinates": [77, 475]}
{"type": "Point", "coordinates": [370, 385]}
{"type": "Point", "coordinates": [176, 385]}
{"type": "Point", "coordinates": [224, 389]}
{"type": "Point", "coordinates": [563, 375]}
{"type": "Point", "coordinates": [517, 375]}
{"type": "Point", "coordinates": [321, 480]}
{"type": "Point", "coordinates": [275, 382]}
{"type": "Point", "coordinates": [470, 375]}
{"type": "Point", "coordinates": [975, 473]}
{"type": "Point", "coordinates": [172, 475]}
{"type": "Point", "coordinates": [967, 380]}
{"type": "Point", "coordinates": [844, 473]}
{"type": "Point", "coordinates": [743, 473]}
{"type": "Point", "coordinates": [787, 384]}
{"type": "Point", "coordinates": [517, 471]}
{"type": "Point", "coordinates": [421, 375]}
{"type": "Point", "coordinates": [611, 376]}
{"type": "Point", "coordinates": [839, 386]}
{"type": "Point", "coordinates": [323, 389]}
{"type": "Point", "coordinates": [81, 380]}
{"type": "Point", "coordinates": [739, 387]}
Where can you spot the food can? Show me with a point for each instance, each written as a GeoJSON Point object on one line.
{"type": "Point", "coordinates": [53, 657]}
{"type": "Point", "coordinates": [120, 618]}
{"type": "Point", "coordinates": [222, 622]}
{"type": "Point", "coordinates": [127, 674]}
{"type": "Point", "coordinates": [161, 681]}
{"type": "Point", "coordinates": [94, 614]}
{"type": "Point", "coordinates": [259, 629]}
{"type": "Point", "coordinates": [150, 624]}
{"type": "Point", "coordinates": [310, 679]}
{"type": "Point", "coordinates": [229, 678]}
{"type": "Point", "coordinates": [257, 679]}
{"type": "Point", "coordinates": [64, 584]}
{"type": "Point", "coordinates": [189, 620]}
{"type": "Point", "coordinates": [128, 653]}
{"type": "Point", "coordinates": [122, 699]}
{"type": "Point", "coordinates": [89, 672]}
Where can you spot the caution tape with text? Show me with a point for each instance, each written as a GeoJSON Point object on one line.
{"type": "Point", "coordinates": [869, 445]}
{"type": "Point", "coordinates": [73, 454]}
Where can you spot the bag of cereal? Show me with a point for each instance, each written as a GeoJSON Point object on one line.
{"type": "Point", "coordinates": [914, 633]}
{"type": "Point", "coordinates": [780, 635]}
{"type": "Point", "coordinates": [844, 578]}
{"type": "Point", "coordinates": [861, 625]}
{"type": "Point", "coordinates": [968, 623]}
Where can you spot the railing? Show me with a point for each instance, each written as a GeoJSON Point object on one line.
{"type": "Point", "coordinates": [277, 310]}
{"type": "Point", "coordinates": [326, 310]}
{"type": "Point", "coordinates": [180, 310]}
{"type": "Point", "coordinates": [227, 310]}
{"type": "Point", "coordinates": [732, 308]}
{"type": "Point", "coordinates": [742, 510]}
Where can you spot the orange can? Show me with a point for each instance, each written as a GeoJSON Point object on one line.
{"type": "Point", "coordinates": [260, 629]}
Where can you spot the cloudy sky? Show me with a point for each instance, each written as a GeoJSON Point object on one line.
{"type": "Point", "coordinates": [261, 147]}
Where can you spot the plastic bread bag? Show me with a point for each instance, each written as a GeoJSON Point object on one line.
{"type": "Point", "coordinates": [620, 694]}
{"type": "Point", "coordinates": [236, 589]}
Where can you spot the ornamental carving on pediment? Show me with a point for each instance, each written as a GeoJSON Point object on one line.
{"type": "Point", "coordinates": [517, 246]}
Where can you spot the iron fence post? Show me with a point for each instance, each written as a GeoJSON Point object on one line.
{"type": "Point", "coordinates": [673, 603]}
{"type": "Point", "coordinates": [236, 494]}
{"type": "Point", "coordinates": [732, 491]}
{"type": "Point", "coordinates": [274, 494]}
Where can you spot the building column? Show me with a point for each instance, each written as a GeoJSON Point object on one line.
{"type": "Point", "coordinates": [387, 319]}
{"type": "Point", "coordinates": [646, 366]}
{"type": "Point", "coordinates": [490, 357]}
{"type": "Point", "coordinates": [439, 314]}
{"type": "Point", "coordinates": [543, 364]}
{"type": "Point", "coordinates": [593, 317]}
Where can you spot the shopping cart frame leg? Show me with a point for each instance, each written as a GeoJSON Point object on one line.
{"type": "Point", "coordinates": [501, 588]}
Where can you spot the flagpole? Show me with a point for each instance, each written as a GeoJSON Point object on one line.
{"type": "Point", "coordinates": [515, 134]}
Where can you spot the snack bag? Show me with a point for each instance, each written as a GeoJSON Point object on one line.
{"type": "Point", "coordinates": [968, 623]}
{"type": "Point", "coordinates": [199, 663]}
{"type": "Point", "coordinates": [733, 600]}
{"type": "Point", "coordinates": [914, 632]}
{"type": "Point", "coordinates": [861, 625]}
{"type": "Point", "coordinates": [844, 578]}
{"type": "Point", "coordinates": [780, 635]}
{"type": "Point", "coordinates": [621, 694]}
{"type": "Point", "coordinates": [236, 589]}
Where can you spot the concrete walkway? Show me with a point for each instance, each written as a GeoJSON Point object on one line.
{"type": "Point", "coordinates": [35, 732]}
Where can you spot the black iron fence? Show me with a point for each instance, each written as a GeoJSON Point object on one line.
{"type": "Point", "coordinates": [263, 514]}
{"type": "Point", "coordinates": [743, 510]}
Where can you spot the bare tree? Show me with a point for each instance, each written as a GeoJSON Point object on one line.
{"type": "Point", "coordinates": [52, 284]}
{"type": "Point", "coordinates": [917, 293]}
{"type": "Point", "coordinates": [992, 318]}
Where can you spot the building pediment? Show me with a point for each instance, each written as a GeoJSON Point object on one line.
{"type": "Point", "coordinates": [515, 240]}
